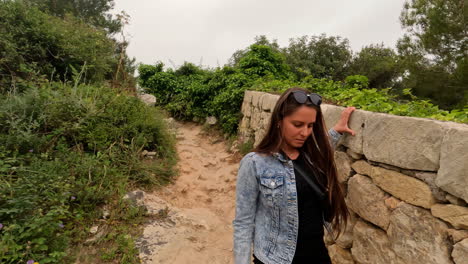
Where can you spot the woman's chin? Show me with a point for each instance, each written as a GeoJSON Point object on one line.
{"type": "Point", "coordinates": [299, 144]}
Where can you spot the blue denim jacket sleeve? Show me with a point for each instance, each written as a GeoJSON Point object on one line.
{"type": "Point", "coordinates": [246, 206]}
{"type": "Point", "coordinates": [334, 137]}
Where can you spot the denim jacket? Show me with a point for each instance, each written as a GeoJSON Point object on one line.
{"type": "Point", "coordinates": [266, 208]}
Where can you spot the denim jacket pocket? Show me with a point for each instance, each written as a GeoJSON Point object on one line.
{"type": "Point", "coordinates": [271, 186]}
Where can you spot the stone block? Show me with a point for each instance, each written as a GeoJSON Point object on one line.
{"type": "Point", "coordinates": [417, 237]}
{"type": "Point", "coordinates": [248, 96]}
{"type": "Point", "coordinates": [404, 187]}
{"type": "Point", "coordinates": [367, 200]}
{"type": "Point", "coordinates": [353, 154]}
{"type": "Point", "coordinates": [371, 246]}
{"type": "Point", "coordinates": [452, 176]}
{"type": "Point", "coordinates": [392, 203]}
{"type": "Point", "coordinates": [148, 99]}
{"type": "Point", "coordinates": [255, 120]}
{"type": "Point", "coordinates": [339, 255]}
{"type": "Point", "coordinates": [245, 124]}
{"type": "Point", "coordinates": [345, 240]}
{"type": "Point", "coordinates": [456, 215]}
{"type": "Point", "coordinates": [457, 235]}
{"type": "Point", "coordinates": [429, 178]}
{"type": "Point", "coordinates": [460, 252]}
{"type": "Point", "coordinates": [265, 117]}
{"type": "Point", "coordinates": [343, 166]}
{"type": "Point", "coordinates": [269, 101]}
{"type": "Point", "coordinates": [256, 98]}
{"type": "Point", "coordinates": [259, 134]}
{"type": "Point", "coordinates": [362, 167]}
{"type": "Point", "coordinates": [246, 108]}
{"type": "Point", "coordinates": [406, 142]}
{"type": "Point", "coordinates": [455, 200]}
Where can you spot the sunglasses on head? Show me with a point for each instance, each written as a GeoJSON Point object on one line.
{"type": "Point", "coordinates": [301, 97]}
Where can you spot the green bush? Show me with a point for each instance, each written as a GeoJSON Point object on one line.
{"type": "Point", "coordinates": [192, 93]}
{"type": "Point", "coordinates": [35, 46]}
{"type": "Point", "coordinates": [371, 99]}
{"type": "Point", "coordinates": [358, 81]}
{"type": "Point", "coordinates": [66, 151]}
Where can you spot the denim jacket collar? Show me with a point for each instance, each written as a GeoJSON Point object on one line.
{"type": "Point", "coordinates": [281, 157]}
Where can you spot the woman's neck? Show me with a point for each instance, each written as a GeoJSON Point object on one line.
{"type": "Point", "coordinates": [291, 152]}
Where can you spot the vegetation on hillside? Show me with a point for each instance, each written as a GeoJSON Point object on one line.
{"type": "Point", "coordinates": [71, 134]}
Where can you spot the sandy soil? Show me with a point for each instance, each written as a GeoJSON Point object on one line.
{"type": "Point", "coordinates": [197, 211]}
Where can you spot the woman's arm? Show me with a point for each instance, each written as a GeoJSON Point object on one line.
{"type": "Point", "coordinates": [341, 127]}
{"type": "Point", "coordinates": [246, 206]}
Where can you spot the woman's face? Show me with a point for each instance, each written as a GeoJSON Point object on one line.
{"type": "Point", "coordinates": [297, 127]}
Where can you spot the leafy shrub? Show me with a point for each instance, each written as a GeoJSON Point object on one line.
{"type": "Point", "coordinates": [190, 92]}
{"type": "Point", "coordinates": [65, 152]}
{"type": "Point", "coordinates": [36, 46]}
{"type": "Point", "coordinates": [358, 81]}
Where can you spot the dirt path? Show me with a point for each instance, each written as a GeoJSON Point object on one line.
{"type": "Point", "coordinates": [196, 226]}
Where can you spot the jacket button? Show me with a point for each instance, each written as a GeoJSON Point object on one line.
{"type": "Point", "coordinates": [272, 184]}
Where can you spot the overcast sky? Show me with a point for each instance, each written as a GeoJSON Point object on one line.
{"type": "Point", "coordinates": [210, 31]}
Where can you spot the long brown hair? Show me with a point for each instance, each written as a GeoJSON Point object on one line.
{"type": "Point", "coordinates": [317, 147]}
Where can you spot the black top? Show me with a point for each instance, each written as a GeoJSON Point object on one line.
{"type": "Point", "coordinates": [310, 235]}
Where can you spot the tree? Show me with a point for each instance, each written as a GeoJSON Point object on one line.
{"type": "Point", "coordinates": [320, 56]}
{"type": "Point", "coordinates": [37, 46]}
{"type": "Point", "coordinates": [434, 50]}
{"type": "Point", "coordinates": [259, 40]}
{"type": "Point", "coordinates": [378, 63]}
{"type": "Point", "coordinates": [93, 12]}
{"type": "Point", "coordinates": [261, 60]}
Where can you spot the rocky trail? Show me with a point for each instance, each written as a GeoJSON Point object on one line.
{"type": "Point", "coordinates": [194, 215]}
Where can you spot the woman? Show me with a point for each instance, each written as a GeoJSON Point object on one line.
{"type": "Point", "coordinates": [288, 186]}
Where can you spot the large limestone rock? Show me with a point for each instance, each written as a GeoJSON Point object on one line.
{"type": "Point", "coordinates": [245, 124]}
{"type": "Point", "coordinates": [339, 255]}
{"type": "Point", "coordinates": [148, 99]}
{"type": "Point", "coordinates": [367, 200]}
{"type": "Point", "coordinates": [343, 166]}
{"type": "Point", "coordinates": [406, 188]}
{"type": "Point", "coordinates": [460, 252]}
{"type": "Point", "coordinates": [453, 173]}
{"type": "Point", "coordinates": [258, 136]}
{"type": "Point", "coordinates": [454, 214]}
{"type": "Point", "coordinates": [266, 117]}
{"type": "Point", "coordinates": [457, 235]}
{"type": "Point", "coordinates": [248, 96]}
{"type": "Point", "coordinates": [268, 101]}
{"type": "Point", "coordinates": [417, 237]}
{"type": "Point", "coordinates": [255, 119]}
{"type": "Point", "coordinates": [345, 240]}
{"type": "Point", "coordinates": [246, 107]}
{"type": "Point", "coordinates": [256, 98]}
{"type": "Point", "coordinates": [371, 246]}
{"type": "Point", "coordinates": [407, 142]}
{"type": "Point", "coordinates": [429, 178]}
{"type": "Point", "coordinates": [353, 154]}
{"type": "Point", "coordinates": [332, 113]}
{"type": "Point", "coordinates": [362, 167]}
{"type": "Point", "coordinates": [455, 200]}
{"type": "Point", "coordinates": [392, 203]}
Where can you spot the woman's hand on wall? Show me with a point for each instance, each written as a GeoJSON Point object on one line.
{"type": "Point", "coordinates": [342, 124]}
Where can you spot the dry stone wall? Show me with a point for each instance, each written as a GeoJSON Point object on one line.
{"type": "Point", "coordinates": [406, 182]}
